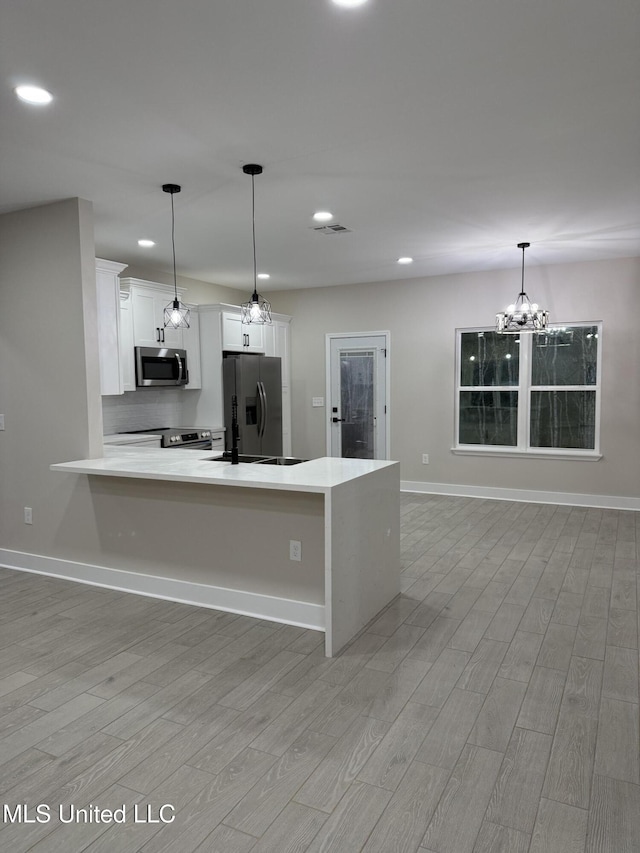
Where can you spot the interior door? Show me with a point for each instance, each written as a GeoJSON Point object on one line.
{"type": "Point", "coordinates": [358, 396]}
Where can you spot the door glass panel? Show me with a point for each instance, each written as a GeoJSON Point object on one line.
{"type": "Point", "coordinates": [563, 419]}
{"type": "Point", "coordinates": [357, 403]}
{"type": "Point", "coordinates": [489, 417]}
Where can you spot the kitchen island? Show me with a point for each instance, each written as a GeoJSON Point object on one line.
{"type": "Point", "coordinates": [174, 524]}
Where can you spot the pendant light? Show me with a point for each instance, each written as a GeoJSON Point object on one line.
{"type": "Point", "coordinates": [257, 309]}
{"type": "Point", "coordinates": [176, 314]}
{"type": "Point", "coordinates": [523, 315]}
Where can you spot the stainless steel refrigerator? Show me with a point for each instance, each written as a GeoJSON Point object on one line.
{"type": "Point", "coordinates": [256, 381]}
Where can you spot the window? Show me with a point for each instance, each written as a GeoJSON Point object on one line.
{"type": "Point", "coordinates": [529, 393]}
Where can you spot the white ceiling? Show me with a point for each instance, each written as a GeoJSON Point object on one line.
{"type": "Point", "coordinates": [447, 130]}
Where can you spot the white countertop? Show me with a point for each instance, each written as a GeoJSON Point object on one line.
{"type": "Point", "coordinates": [191, 466]}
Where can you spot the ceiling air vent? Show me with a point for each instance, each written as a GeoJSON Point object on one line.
{"type": "Point", "coordinates": [331, 229]}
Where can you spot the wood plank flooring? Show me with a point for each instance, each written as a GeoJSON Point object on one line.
{"type": "Point", "coordinates": [493, 707]}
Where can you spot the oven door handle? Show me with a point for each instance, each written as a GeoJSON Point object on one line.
{"type": "Point", "coordinates": [179, 380]}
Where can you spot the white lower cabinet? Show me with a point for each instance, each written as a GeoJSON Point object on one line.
{"type": "Point", "coordinates": [217, 439]}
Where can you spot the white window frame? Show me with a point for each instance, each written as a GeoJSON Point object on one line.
{"type": "Point", "coordinates": [524, 390]}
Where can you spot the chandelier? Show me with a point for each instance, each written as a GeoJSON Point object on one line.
{"type": "Point", "coordinates": [523, 315]}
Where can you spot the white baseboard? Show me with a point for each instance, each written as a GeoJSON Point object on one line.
{"type": "Point", "coordinates": [522, 495]}
{"type": "Point", "coordinates": [288, 611]}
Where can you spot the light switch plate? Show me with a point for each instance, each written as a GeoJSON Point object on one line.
{"type": "Point", "coordinates": [316, 402]}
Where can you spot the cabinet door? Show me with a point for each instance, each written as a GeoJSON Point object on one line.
{"type": "Point", "coordinates": [286, 421]}
{"type": "Point", "coordinates": [148, 320]}
{"type": "Point", "coordinates": [281, 348]}
{"type": "Point", "coordinates": [191, 342]}
{"type": "Point", "coordinates": [217, 439]}
{"type": "Point", "coordinates": [254, 338]}
{"type": "Point", "coordinates": [169, 337]}
{"type": "Point", "coordinates": [239, 337]}
{"type": "Point", "coordinates": [146, 328]}
{"type": "Point", "coordinates": [269, 337]}
{"type": "Point", "coordinates": [108, 315]}
{"type": "Point", "coordinates": [126, 343]}
{"type": "Point", "coordinates": [232, 332]}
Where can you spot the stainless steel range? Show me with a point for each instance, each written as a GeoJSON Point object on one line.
{"type": "Point", "coordinates": [193, 438]}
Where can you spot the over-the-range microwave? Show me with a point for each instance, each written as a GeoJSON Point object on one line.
{"type": "Point", "coordinates": [161, 366]}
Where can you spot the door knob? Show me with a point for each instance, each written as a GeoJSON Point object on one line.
{"type": "Point", "coordinates": [338, 420]}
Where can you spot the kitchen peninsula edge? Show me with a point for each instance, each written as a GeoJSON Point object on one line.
{"type": "Point", "coordinates": [174, 524]}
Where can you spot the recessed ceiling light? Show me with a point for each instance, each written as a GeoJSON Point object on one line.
{"type": "Point", "coordinates": [263, 275]}
{"type": "Point", "coordinates": [405, 260]}
{"type": "Point", "coordinates": [146, 244]}
{"type": "Point", "coordinates": [349, 4]}
{"type": "Point", "coordinates": [322, 216]}
{"type": "Point", "coordinates": [33, 95]}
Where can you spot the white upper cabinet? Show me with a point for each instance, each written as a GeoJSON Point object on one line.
{"type": "Point", "coordinates": [148, 305]}
{"type": "Point", "coordinates": [131, 314]}
{"type": "Point", "coordinates": [142, 305]}
{"type": "Point", "coordinates": [191, 342]}
{"type": "Point", "coordinates": [281, 348]}
{"type": "Point", "coordinates": [126, 343]}
{"type": "Point", "coordinates": [108, 315]}
{"type": "Point", "coordinates": [238, 337]}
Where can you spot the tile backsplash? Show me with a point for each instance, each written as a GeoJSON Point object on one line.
{"type": "Point", "coordinates": [146, 408]}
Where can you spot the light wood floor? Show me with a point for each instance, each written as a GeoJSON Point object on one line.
{"type": "Point", "coordinates": [493, 707]}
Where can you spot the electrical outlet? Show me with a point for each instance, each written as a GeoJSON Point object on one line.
{"type": "Point", "coordinates": [295, 550]}
{"type": "Point", "coordinates": [28, 515]}
{"type": "Point", "coordinates": [425, 458]}
{"type": "Point", "coordinates": [1, 421]}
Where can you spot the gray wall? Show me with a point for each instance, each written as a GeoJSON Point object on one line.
{"type": "Point", "coordinates": [422, 315]}
{"type": "Point", "coordinates": [49, 374]}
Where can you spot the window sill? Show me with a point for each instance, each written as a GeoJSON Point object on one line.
{"type": "Point", "coordinates": [573, 456]}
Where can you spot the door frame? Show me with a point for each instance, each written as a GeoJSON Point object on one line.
{"type": "Point", "coordinates": [331, 336]}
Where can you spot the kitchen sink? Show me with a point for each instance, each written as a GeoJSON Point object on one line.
{"type": "Point", "coordinates": [258, 460]}
{"type": "Point", "coordinates": [242, 457]}
{"type": "Point", "coordinates": [282, 460]}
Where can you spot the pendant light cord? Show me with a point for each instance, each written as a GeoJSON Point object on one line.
{"type": "Point", "coordinates": [173, 246]}
{"type": "Point", "coordinates": [253, 209]}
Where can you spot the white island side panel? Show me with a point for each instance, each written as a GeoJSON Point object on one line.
{"type": "Point", "coordinates": [362, 553]}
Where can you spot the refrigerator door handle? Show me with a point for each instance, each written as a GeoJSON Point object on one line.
{"type": "Point", "coordinates": [262, 404]}
{"type": "Point", "coordinates": [265, 409]}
